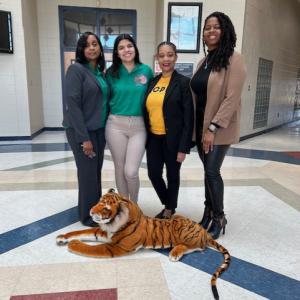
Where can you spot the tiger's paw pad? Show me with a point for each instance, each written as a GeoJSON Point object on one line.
{"type": "Point", "coordinates": [174, 257]}
{"type": "Point", "coordinates": [61, 240]}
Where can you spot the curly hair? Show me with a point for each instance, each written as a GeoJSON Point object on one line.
{"type": "Point", "coordinates": [116, 61]}
{"type": "Point", "coordinates": [220, 58]}
{"type": "Point", "coordinates": [81, 45]}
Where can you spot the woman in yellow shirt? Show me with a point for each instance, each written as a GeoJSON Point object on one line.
{"type": "Point", "coordinates": [169, 119]}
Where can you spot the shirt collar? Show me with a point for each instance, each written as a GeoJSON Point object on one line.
{"type": "Point", "coordinates": [123, 68]}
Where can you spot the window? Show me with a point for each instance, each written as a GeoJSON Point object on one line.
{"type": "Point", "coordinates": [106, 23]}
{"type": "Point", "coordinates": [112, 25]}
{"type": "Point", "coordinates": [263, 90]}
{"type": "Point", "coordinates": [76, 23]}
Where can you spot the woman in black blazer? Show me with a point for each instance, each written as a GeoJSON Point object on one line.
{"type": "Point", "coordinates": [85, 112]}
{"type": "Point", "coordinates": [169, 119]}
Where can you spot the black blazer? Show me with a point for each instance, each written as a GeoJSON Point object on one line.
{"type": "Point", "coordinates": [178, 112]}
{"type": "Point", "coordinates": [82, 101]}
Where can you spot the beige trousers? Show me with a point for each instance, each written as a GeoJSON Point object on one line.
{"type": "Point", "coordinates": [126, 138]}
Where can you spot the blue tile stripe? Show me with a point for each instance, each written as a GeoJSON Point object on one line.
{"type": "Point", "coordinates": [28, 233]}
{"type": "Point", "coordinates": [249, 276]}
{"type": "Point", "coordinates": [238, 152]}
{"type": "Point", "coordinates": [264, 155]}
{"type": "Point", "coordinates": [45, 147]}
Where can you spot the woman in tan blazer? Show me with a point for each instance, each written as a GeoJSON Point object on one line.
{"type": "Point", "coordinates": [217, 86]}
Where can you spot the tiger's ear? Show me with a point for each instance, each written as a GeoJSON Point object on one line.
{"type": "Point", "coordinates": [111, 190]}
{"type": "Point", "coordinates": [124, 202]}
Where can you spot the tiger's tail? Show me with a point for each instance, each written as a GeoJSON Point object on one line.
{"type": "Point", "coordinates": [226, 262]}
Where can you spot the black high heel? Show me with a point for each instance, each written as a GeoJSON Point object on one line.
{"type": "Point", "coordinates": [207, 217]}
{"type": "Point", "coordinates": [218, 224]}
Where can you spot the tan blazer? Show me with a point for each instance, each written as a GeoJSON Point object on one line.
{"type": "Point", "coordinates": [223, 105]}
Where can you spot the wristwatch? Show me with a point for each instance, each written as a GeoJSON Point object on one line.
{"type": "Point", "coordinates": [212, 128]}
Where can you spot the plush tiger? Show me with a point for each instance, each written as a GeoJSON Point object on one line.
{"type": "Point", "coordinates": [123, 229]}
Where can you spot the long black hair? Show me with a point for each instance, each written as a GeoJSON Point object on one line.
{"type": "Point", "coordinates": [81, 45]}
{"type": "Point", "coordinates": [116, 61]}
{"type": "Point", "coordinates": [220, 58]}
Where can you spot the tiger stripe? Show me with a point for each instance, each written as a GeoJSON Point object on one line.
{"type": "Point", "coordinates": [226, 262]}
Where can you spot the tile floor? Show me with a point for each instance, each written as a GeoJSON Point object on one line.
{"type": "Point", "coordinates": [262, 201]}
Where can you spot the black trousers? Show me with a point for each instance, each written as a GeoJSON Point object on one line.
{"type": "Point", "coordinates": [214, 186]}
{"type": "Point", "coordinates": [88, 172]}
{"type": "Point", "coordinates": [159, 155]}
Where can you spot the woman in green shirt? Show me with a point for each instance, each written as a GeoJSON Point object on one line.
{"type": "Point", "coordinates": [125, 130]}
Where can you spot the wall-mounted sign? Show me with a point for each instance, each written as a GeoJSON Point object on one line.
{"type": "Point", "coordinates": [6, 40]}
{"type": "Point", "coordinates": [184, 21]}
{"type": "Point", "coordinates": [184, 68]}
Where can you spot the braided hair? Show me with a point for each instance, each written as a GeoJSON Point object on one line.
{"type": "Point", "coordinates": [220, 58]}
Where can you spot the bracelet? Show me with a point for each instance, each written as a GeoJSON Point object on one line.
{"type": "Point", "coordinates": [212, 128]}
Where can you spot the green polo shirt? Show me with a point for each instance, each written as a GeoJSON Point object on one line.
{"type": "Point", "coordinates": [104, 88]}
{"type": "Point", "coordinates": [128, 90]}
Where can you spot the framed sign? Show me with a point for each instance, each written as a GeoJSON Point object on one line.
{"type": "Point", "coordinates": [184, 21]}
{"type": "Point", "coordinates": [185, 68]}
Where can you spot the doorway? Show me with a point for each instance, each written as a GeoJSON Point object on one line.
{"type": "Point", "coordinates": [106, 23]}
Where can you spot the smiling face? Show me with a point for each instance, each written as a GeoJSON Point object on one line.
{"type": "Point", "coordinates": [126, 51]}
{"type": "Point", "coordinates": [212, 33]}
{"type": "Point", "coordinates": [166, 58]}
{"type": "Point", "coordinates": [92, 50]}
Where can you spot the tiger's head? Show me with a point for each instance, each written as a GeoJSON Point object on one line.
{"type": "Point", "coordinates": [113, 209]}
{"type": "Point", "coordinates": [107, 208]}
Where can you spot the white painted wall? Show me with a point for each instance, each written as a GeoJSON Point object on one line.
{"type": "Point", "coordinates": [272, 31]}
{"type": "Point", "coordinates": [33, 67]}
{"type": "Point", "coordinates": [14, 112]}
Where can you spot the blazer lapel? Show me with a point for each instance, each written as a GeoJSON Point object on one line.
{"type": "Point", "coordinates": [153, 83]}
{"type": "Point", "coordinates": [170, 88]}
{"type": "Point", "coordinates": [91, 75]}
{"type": "Point", "coordinates": [172, 84]}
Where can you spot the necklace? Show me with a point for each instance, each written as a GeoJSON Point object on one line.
{"type": "Point", "coordinates": [209, 58]}
{"type": "Point", "coordinates": [206, 62]}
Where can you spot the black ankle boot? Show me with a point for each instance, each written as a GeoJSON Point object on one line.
{"type": "Point", "coordinates": [218, 224]}
{"type": "Point", "coordinates": [207, 217]}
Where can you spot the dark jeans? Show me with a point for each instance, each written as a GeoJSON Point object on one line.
{"type": "Point", "coordinates": [159, 155]}
{"type": "Point", "coordinates": [88, 172]}
{"type": "Point", "coordinates": [214, 186]}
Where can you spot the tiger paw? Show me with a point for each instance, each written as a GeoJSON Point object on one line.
{"type": "Point", "coordinates": [175, 257]}
{"type": "Point", "coordinates": [61, 240]}
{"type": "Point", "coordinates": [74, 245]}
{"type": "Point", "coordinates": [177, 252]}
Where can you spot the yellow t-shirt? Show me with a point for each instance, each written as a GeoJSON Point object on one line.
{"type": "Point", "coordinates": [154, 105]}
